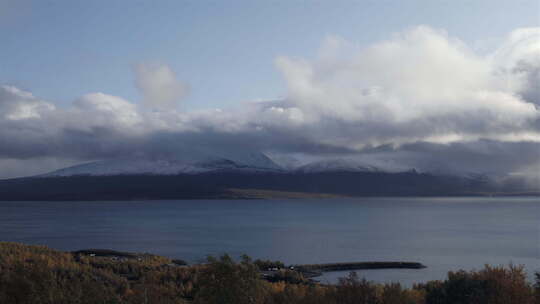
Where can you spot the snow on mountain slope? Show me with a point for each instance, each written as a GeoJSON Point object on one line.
{"type": "Point", "coordinates": [251, 159]}
{"type": "Point", "coordinates": [187, 165]}
{"type": "Point", "coordinates": [246, 162]}
{"type": "Point", "coordinates": [130, 166]}
{"type": "Point", "coordinates": [333, 165]}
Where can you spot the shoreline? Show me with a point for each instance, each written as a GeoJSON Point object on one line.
{"type": "Point", "coordinates": [307, 270]}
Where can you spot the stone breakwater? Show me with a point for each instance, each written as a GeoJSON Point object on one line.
{"type": "Point", "coordinates": [318, 268]}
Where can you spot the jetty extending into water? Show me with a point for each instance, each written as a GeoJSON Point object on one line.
{"type": "Point", "coordinates": [358, 266]}
{"type": "Point", "coordinates": [315, 270]}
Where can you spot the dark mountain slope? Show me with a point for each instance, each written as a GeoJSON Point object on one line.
{"type": "Point", "coordinates": [220, 184]}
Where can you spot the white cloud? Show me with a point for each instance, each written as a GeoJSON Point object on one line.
{"type": "Point", "coordinates": [419, 74]}
{"type": "Point", "coordinates": [521, 44]}
{"type": "Point", "coordinates": [107, 110]}
{"type": "Point", "coordinates": [16, 104]}
{"type": "Point", "coordinates": [159, 86]}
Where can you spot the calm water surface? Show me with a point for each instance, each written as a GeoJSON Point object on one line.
{"type": "Point", "coordinates": [442, 233]}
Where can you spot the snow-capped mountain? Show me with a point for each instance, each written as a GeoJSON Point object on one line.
{"type": "Point", "coordinates": [244, 175]}
{"type": "Point", "coordinates": [247, 162]}
{"type": "Point", "coordinates": [203, 162]}
{"type": "Point", "coordinates": [336, 165]}
{"type": "Point", "coordinates": [251, 162]}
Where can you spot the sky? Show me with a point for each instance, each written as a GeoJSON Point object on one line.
{"type": "Point", "coordinates": [450, 85]}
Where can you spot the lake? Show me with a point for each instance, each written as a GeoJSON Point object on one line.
{"type": "Point", "coordinates": [442, 233]}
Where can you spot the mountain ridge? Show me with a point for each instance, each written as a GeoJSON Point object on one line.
{"type": "Point", "coordinates": [166, 166]}
{"type": "Point", "coordinates": [215, 177]}
{"type": "Point", "coordinates": [227, 184]}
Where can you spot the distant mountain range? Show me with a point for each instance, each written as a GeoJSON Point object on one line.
{"type": "Point", "coordinates": [256, 163]}
{"type": "Point", "coordinates": [244, 175]}
{"type": "Point", "coordinates": [188, 164]}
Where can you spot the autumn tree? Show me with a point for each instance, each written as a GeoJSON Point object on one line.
{"type": "Point", "coordinates": [224, 281]}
